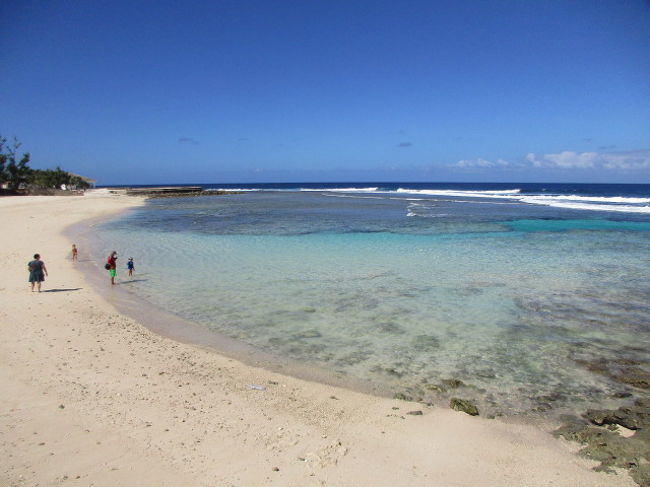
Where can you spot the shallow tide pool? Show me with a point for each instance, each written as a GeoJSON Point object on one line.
{"type": "Point", "coordinates": [516, 303]}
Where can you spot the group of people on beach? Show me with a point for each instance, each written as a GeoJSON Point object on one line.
{"type": "Point", "coordinates": [38, 270]}
{"type": "Point", "coordinates": [111, 266]}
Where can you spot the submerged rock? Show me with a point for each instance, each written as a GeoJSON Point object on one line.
{"type": "Point", "coordinates": [552, 397]}
{"type": "Point", "coordinates": [621, 395]}
{"type": "Point", "coordinates": [464, 405]}
{"type": "Point", "coordinates": [434, 388]}
{"type": "Point", "coordinates": [543, 407]}
{"type": "Point", "coordinates": [390, 327]}
{"type": "Point", "coordinates": [354, 357]}
{"type": "Point", "coordinates": [308, 334]}
{"type": "Point", "coordinates": [426, 343]}
{"type": "Point", "coordinates": [624, 371]}
{"type": "Point", "coordinates": [486, 374]}
{"type": "Point", "coordinates": [635, 377]}
{"type": "Point", "coordinates": [595, 366]}
{"type": "Point", "coordinates": [392, 371]}
{"type": "Point", "coordinates": [453, 383]}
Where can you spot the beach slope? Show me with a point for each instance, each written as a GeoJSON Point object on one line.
{"type": "Point", "coordinates": [91, 397]}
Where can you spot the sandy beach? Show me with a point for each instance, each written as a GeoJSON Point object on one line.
{"type": "Point", "coordinates": [93, 398]}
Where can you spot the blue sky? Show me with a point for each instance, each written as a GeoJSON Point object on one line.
{"type": "Point", "coordinates": [261, 91]}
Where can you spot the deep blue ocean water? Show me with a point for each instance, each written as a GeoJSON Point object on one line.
{"type": "Point", "coordinates": [513, 289]}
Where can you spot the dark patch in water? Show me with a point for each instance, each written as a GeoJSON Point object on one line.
{"type": "Point", "coordinates": [425, 343]}
{"type": "Point", "coordinates": [390, 327]}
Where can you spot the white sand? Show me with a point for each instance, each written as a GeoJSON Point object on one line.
{"type": "Point", "coordinates": [92, 398]}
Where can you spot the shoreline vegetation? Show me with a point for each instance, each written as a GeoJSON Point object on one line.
{"type": "Point", "coordinates": [148, 192]}
{"type": "Point", "coordinates": [93, 396]}
{"type": "Point", "coordinates": [18, 179]}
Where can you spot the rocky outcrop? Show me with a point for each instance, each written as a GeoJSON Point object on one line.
{"type": "Point", "coordinates": [632, 417]}
{"type": "Point", "coordinates": [464, 405]}
{"type": "Point", "coordinates": [602, 439]}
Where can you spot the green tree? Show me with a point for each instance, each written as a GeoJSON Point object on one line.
{"type": "Point", "coordinates": [13, 172]}
{"type": "Point", "coordinates": [78, 182]}
{"type": "Point", "coordinates": [54, 178]}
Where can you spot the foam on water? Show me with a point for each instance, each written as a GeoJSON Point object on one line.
{"type": "Point", "coordinates": [579, 205]}
{"type": "Point", "coordinates": [342, 190]}
{"type": "Point", "coordinates": [603, 199]}
{"type": "Point", "coordinates": [510, 306]}
{"type": "Point", "coordinates": [478, 194]}
{"type": "Point", "coordinates": [574, 202]}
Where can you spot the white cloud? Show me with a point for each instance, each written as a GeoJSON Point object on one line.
{"type": "Point", "coordinates": [630, 160]}
{"type": "Point", "coordinates": [481, 163]}
{"type": "Point", "coordinates": [565, 160]}
{"type": "Point", "coordinates": [613, 161]}
{"type": "Point", "coordinates": [627, 160]}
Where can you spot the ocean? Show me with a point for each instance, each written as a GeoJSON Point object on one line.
{"type": "Point", "coordinates": [525, 298]}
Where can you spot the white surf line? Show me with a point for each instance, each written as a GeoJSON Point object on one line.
{"type": "Point", "coordinates": [587, 206]}
{"type": "Point", "coordinates": [558, 201]}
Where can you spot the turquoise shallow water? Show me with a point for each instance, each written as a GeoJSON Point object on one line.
{"type": "Point", "coordinates": [511, 307]}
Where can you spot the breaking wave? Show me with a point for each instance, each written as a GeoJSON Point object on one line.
{"type": "Point", "coordinates": [573, 202]}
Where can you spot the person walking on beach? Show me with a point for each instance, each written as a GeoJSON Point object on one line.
{"type": "Point", "coordinates": [130, 266]}
{"type": "Point", "coordinates": [74, 253]}
{"type": "Point", "coordinates": [37, 272]}
{"type": "Point", "coordinates": [111, 266]}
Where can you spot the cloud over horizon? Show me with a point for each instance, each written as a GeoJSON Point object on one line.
{"type": "Point", "coordinates": [481, 163]}
{"type": "Point", "coordinates": [567, 160]}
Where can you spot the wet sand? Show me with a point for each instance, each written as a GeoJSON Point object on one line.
{"type": "Point", "coordinates": [92, 397]}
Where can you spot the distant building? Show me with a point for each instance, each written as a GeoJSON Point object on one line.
{"type": "Point", "coordinates": [91, 182]}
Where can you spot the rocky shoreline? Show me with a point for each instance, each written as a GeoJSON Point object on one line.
{"type": "Point", "coordinates": [169, 191]}
{"type": "Point", "coordinates": [617, 437]}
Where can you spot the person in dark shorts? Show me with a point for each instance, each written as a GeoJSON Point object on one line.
{"type": "Point", "coordinates": [74, 253]}
{"type": "Point", "coordinates": [37, 272]}
{"type": "Point", "coordinates": [111, 266]}
{"type": "Point", "coordinates": [130, 266]}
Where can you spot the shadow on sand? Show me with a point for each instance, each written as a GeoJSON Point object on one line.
{"type": "Point", "coordinates": [132, 280]}
{"type": "Point", "coordinates": [61, 290]}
